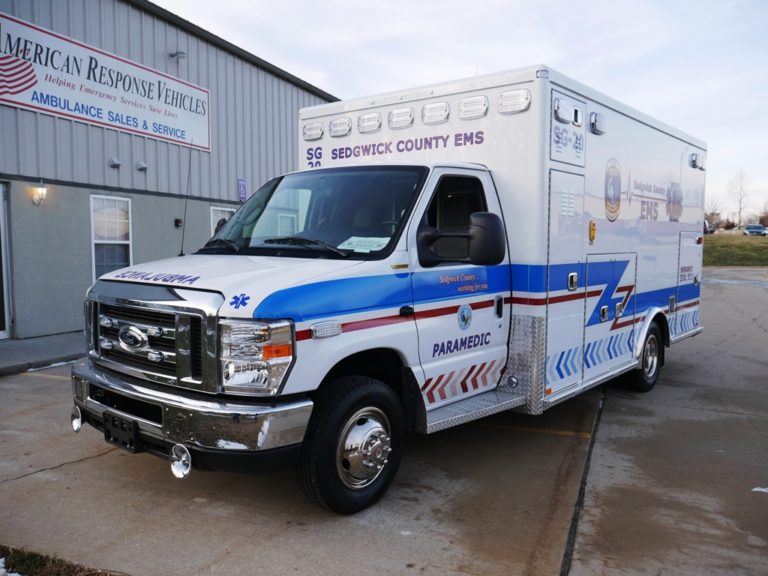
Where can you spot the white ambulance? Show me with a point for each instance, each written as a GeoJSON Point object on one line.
{"type": "Point", "coordinates": [447, 252]}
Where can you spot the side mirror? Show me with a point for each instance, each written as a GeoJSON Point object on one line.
{"type": "Point", "coordinates": [487, 241]}
{"type": "Point", "coordinates": [425, 238]}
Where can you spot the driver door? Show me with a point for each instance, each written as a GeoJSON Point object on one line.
{"type": "Point", "coordinates": [462, 310]}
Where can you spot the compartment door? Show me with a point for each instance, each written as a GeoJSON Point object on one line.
{"type": "Point", "coordinates": [609, 334]}
{"type": "Point", "coordinates": [566, 283]}
{"type": "Point", "coordinates": [686, 315]}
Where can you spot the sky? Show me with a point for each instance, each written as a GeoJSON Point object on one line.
{"type": "Point", "coordinates": [698, 65]}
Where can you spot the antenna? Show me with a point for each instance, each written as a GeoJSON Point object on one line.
{"type": "Point", "coordinates": [186, 201]}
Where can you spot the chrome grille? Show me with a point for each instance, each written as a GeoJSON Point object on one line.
{"type": "Point", "coordinates": [156, 333]}
{"type": "Point", "coordinates": [162, 334]}
{"type": "Point", "coordinates": [162, 343]}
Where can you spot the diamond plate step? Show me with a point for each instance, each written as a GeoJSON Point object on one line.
{"type": "Point", "coordinates": [473, 408]}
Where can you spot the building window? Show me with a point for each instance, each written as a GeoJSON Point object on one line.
{"type": "Point", "coordinates": [111, 233]}
{"type": "Point", "coordinates": [218, 214]}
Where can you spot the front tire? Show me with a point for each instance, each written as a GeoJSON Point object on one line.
{"type": "Point", "coordinates": [353, 445]}
{"type": "Point", "coordinates": [645, 377]}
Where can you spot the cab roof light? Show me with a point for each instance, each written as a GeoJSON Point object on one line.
{"type": "Point", "coordinates": [473, 107]}
{"type": "Point", "coordinates": [340, 127]}
{"type": "Point", "coordinates": [400, 118]}
{"type": "Point", "coordinates": [313, 131]}
{"type": "Point", "coordinates": [435, 112]}
{"type": "Point", "coordinates": [368, 123]}
{"type": "Point", "coordinates": [514, 101]}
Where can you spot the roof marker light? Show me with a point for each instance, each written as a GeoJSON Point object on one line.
{"type": "Point", "coordinates": [340, 126]}
{"type": "Point", "coordinates": [435, 112]}
{"type": "Point", "coordinates": [368, 123]}
{"type": "Point", "coordinates": [473, 107]}
{"type": "Point", "coordinates": [400, 118]}
{"type": "Point", "coordinates": [514, 101]}
{"type": "Point", "coordinates": [313, 131]}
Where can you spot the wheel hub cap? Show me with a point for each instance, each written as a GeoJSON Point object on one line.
{"type": "Point", "coordinates": [651, 356]}
{"type": "Point", "coordinates": [364, 447]}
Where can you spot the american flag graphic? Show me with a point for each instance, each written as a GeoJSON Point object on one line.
{"type": "Point", "coordinates": [16, 75]}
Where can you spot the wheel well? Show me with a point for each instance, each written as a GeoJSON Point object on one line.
{"type": "Point", "coordinates": [661, 321]}
{"type": "Point", "coordinates": [385, 365]}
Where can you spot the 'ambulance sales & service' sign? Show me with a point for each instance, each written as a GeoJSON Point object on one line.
{"type": "Point", "coordinates": [46, 72]}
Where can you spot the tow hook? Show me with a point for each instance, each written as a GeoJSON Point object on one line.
{"type": "Point", "coordinates": [181, 461]}
{"type": "Point", "coordinates": [76, 418]}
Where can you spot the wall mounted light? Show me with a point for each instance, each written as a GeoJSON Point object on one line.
{"type": "Point", "coordinates": [115, 162]}
{"type": "Point", "coordinates": [141, 166]}
{"type": "Point", "coordinates": [38, 194]}
{"type": "Point", "coordinates": [179, 54]}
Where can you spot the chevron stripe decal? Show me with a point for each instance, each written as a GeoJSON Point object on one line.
{"type": "Point", "coordinates": [449, 386]}
{"type": "Point", "coordinates": [564, 363]}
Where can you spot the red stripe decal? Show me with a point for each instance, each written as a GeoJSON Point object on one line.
{"type": "Point", "coordinates": [464, 387]}
{"type": "Point", "coordinates": [475, 385]}
{"type": "Point", "coordinates": [630, 322]}
{"type": "Point", "coordinates": [373, 323]}
{"type": "Point", "coordinates": [555, 299]}
{"type": "Point", "coordinates": [445, 385]}
{"type": "Point", "coordinates": [431, 393]}
{"type": "Point", "coordinates": [422, 314]}
{"type": "Point", "coordinates": [303, 335]}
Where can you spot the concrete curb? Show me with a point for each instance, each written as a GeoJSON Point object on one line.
{"type": "Point", "coordinates": [12, 369]}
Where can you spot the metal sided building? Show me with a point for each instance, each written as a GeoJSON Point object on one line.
{"type": "Point", "coordinates": [123, 130]}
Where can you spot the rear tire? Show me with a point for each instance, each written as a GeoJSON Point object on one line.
{"type": "Point", "coordinates": [651, 359]}
{"type": "Point", "coordinates": [353, 445]}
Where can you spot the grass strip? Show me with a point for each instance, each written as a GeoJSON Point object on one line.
{"type": "Point", "coordinates": [34, 564]}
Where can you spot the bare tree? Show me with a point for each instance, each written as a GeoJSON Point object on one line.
{"type": "Point", "coordinates": [763, 219]}
{"type": "Point", "coordinates": [737, 190]}
{"type": "Point", "coordinates": [712, 212]}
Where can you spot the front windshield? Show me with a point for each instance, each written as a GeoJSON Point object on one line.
{"type": "Point", "coordinates": [342, 212]}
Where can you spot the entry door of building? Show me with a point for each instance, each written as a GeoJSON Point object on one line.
{"type": "Point", "coordinates": [4, 321]}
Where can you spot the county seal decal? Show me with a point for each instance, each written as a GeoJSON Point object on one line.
{"type": "Point", "coordinates": [465, 316]}
{"type": "Point", "coordinates": [612, 189]}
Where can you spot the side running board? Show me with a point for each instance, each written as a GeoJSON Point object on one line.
{"type": "Point", "coordinates": [473, 408]}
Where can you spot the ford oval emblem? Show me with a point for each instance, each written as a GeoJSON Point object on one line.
{"type": "Point", "coordinates": [131, 338]}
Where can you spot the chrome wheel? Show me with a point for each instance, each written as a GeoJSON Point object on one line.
{"type": "Point", "coordinates": [364, 447]}
{"type": "Point", "coordinates": [650, 356]}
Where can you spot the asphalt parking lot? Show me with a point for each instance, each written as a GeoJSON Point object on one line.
{"type": "Point", "coordinates": [670, 486]}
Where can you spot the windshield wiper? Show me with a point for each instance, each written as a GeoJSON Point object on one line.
{"type": "Point", "coordinates": [299, 240]}
{"type": "Point", "coordinates": [224, 241]}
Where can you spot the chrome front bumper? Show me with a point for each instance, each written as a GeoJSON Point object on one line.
{"type": "Point", "coordinates": [176, 418]}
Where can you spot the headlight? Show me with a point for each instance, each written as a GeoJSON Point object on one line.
{"type": "Point", "coordinates": [255, 356]}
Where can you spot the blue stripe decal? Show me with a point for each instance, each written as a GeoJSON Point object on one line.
{"type": "Point", "coordinates": [437, 285]}
{"type": "Point", "coordinates": [609, 274]}
{"type": "Point", "coordinates": [335, 297]}
{"type": "Point", "coordinates": [369, 293]}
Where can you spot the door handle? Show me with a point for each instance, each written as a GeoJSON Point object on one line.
{"type": "Point", "coordinates": [406, 311]}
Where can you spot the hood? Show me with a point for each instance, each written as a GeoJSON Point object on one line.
{"type": "Point", "coordinates": [244, 281]}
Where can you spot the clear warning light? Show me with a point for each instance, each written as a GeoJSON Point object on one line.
{"type": "Point", "coordinates": [313, 131]}
{"type": "Point", "coordinates": [340, 127]}
{"type": "Point", "coordinates": [473, 107]}
{"type": "Point", "coordinates": [401, 118]}
{"type": "Point", "coordinates": [370, 122]}
{"type": "Point", "coordinates": [514, 101]}
{"type": "Point", "coordinates": [435, 112]}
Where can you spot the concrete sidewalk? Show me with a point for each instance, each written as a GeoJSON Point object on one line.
{"type": "Point", "coordinates": [21, 355]}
